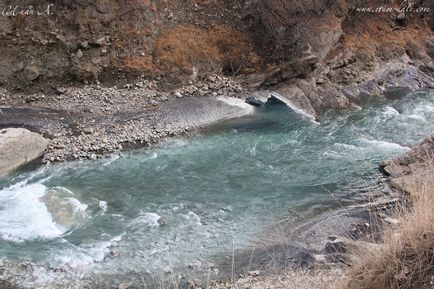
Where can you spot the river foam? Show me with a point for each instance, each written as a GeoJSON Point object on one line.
{"type": "Point", "coordinates": [24, 217]}
{"type": "Point", "coordinates": [384, 145]}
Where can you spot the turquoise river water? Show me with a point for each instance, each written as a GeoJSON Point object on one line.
{"type": "Point", "coordinates": [189, 199]}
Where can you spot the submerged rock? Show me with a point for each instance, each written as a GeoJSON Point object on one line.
{"type": "Point", "coordinates": [19, 146]}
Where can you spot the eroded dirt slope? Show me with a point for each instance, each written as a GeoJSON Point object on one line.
{"type": "Point", "coordinates": [323, 50]}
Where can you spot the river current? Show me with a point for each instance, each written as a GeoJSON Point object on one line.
{"type": "Point", "coordinates": [175, 206]}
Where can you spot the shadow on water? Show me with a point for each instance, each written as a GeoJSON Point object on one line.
{"type": "Point", "coordinates": [267, 117]}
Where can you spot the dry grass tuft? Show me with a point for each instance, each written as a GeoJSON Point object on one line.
{"type": "Point", "coordinates": [223, 47]}
{"type": "Point", "coordinates": [406, 259]}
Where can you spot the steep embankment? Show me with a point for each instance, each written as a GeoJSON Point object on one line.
{"type": "Point", "coordinates": [111, 41]}
{"type": "Point", "coordinates": [314, 54]}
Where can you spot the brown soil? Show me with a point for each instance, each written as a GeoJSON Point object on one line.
{"type": "Point", "coordinates": [85, 41]}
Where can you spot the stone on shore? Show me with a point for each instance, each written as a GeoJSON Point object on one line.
{"type": "Point", "coordinates": [413, 170]}
{"type": "Point", "coordinates": [18, 147]}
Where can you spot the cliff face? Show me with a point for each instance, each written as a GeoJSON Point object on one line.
{"type": "Point", "coordinates": [330, 53]}
{"type": "Point", "coordinates": [102, 40]}
{"type": "Point", "coordinates": [324, 51]}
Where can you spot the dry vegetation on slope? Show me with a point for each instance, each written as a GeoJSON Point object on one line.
{"type": "Point", "coordinates": [406, 259]}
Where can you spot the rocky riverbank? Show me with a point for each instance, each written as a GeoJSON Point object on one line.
{"type": "Point", "coordinates": [413, 169]}
{"type": "Point", "coordinates": [334, 242]}
{"type": "Point", "coordinates": [92, 121]}
{"type": "Point", "coordinates": [404, 259]}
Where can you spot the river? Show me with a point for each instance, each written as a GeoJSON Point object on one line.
{"type": "Point", "coordinates": [174, 207]}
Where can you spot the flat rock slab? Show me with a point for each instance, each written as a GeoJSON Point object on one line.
{"type": "Point", "coordinates": [36, 118]}
{"type": "Point", "coordinates": [18, 147]}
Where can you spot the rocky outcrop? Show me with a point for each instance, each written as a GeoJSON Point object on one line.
{"type": "Point", "coordinates": [18, 147]}
{"type": "Point", "coordinates": [288, 30]}
{"type": "Point", "coordinates": [337, 55]}
{"type": "Point", "coordinates": [413, 170]}
{"type": "Point", "coordinates": [290, 95]}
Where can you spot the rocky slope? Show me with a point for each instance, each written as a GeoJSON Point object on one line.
{"type": "Point", "coordinates": [317, 53]}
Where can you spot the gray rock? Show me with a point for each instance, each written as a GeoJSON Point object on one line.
{"type": "Point", "coordinates": [430, 46]}
{"type": "Point", "coordinates": [294, 98]}
{"type": "Point", "coordinates": [84, 44]}
{"type": "Point", "coordinates": [254, 101]}
{"type": "Point", "coordinates": [32, 72]}
{"type": "Point", "coordinates": [101, 41]}
{"type": "Point", "coordinates": [124, 286]}
{"type": "Point", "coordinates": [211, 78]}
{"type": "Point", "coordinates": [153, 102]}
{"type": "Point", "coordinates": [19, 146]}
{"type": "Point", "coordinates": [391, 221]}
{"type": "Point", "coordinates": [255, 273]}
{"type": "Point", "coordinates": [79, 54]}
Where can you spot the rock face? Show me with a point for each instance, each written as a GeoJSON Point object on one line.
{"type": "Point", "coordinates": [336, 55]}
{"type": "Point", "coordinates": [181, 41]}
{"type": "Point", "coordinates": [19, 146]}
{"type": "Point", "coordinates": [298, 27]}
{"type": "Point", "coordinates": [295, 98]}
{"type": "Point", "coordinates": [412, 170]}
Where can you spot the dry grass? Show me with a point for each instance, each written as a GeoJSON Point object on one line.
{"type": "Point", "coordinates": [406, 258]}
{"type": "Point", "coordinates": [139, 63]}
{"type": "Point", "coordinates": [373, 30]}
{"type": "Point", "coordinates": [186, 47]}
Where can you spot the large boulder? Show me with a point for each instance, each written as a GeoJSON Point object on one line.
{"type": "Point", "coordinates": [19, 146]}
{"type": "Point", "coordinates": [294, 98]}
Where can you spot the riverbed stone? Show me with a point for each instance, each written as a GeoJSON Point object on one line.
{"type": "Point", "coordinates": [124, 286]}
{"type": "Point", "coordinates": [19, 146]}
